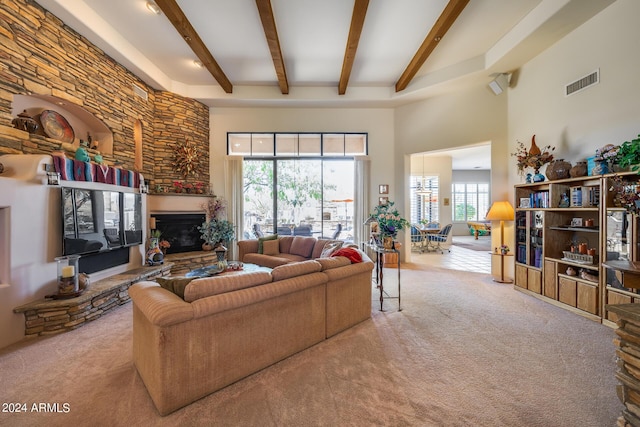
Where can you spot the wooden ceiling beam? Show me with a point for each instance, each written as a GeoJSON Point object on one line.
{"type": "Point", "coordinates": [271, 34]}
{"type": "Point", "coordinates": [175, 15]}
{"type": "Point", "coordinates": [357, 22]}
{"type": "Point", "coordinates": [449, 15]}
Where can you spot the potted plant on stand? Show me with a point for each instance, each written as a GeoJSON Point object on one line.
{"type": "Point", "coordinates": [389, 223]}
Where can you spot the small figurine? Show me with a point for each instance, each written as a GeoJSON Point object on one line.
{"type": "Point", "coordinates": [528, 181]}
{"type": "Point", "coordinates": [98, 158]}
{"type": "Point", "coordinates": [82, 155]}
{"type": "Point", "coordinates": [564, 201]}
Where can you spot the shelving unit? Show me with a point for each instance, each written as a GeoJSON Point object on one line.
{"type": "Point", "coordinates": [570, 243]}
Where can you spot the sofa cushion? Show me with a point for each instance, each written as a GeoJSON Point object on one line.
{"type": "Point", "coordinates": [319, 247]}
{"type": "Point", "coordinates": [208, 286]}
{"type": "Point", "coordinates": [302, 246]}
{"type": "Point", "coordinates": [261, 241]}
{"type": "Point", "coordinates": [271, 247]}
{"type": "Point", "coordinates": [288, 271]}
{"type": "Point", "coordinates": [333, 262]}
{"type": "Point", "coordinates": [351, 253]}
{"type": "Point", "coordinates": [285, 244]}
{"type": "Point", "coordinates": [329, 248]}
{"type": "Point", "coordinates": [270, 261]}
{"type": "Point", "coordinates": [175, 284]}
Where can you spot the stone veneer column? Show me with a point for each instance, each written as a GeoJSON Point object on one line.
{"type": "Point", "coordinates": [628, 359]}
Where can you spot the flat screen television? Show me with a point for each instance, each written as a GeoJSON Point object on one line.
{"type": "Point", "coordinates": [99, 220]}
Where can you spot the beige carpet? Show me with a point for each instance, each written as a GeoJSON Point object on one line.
{"type": "Point", "coordinates": [465, 351]}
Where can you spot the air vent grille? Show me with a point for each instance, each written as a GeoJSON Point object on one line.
{"type": "Point", "coordinates": [138, 91]}
{"type": "Point", "coordinates": [582, 83]}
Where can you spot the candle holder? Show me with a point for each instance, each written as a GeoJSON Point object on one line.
{"type": "Point", "coordinates": [68, 276]}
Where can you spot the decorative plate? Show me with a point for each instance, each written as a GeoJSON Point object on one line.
{"type": "Point", "coordinates": [56, 126]}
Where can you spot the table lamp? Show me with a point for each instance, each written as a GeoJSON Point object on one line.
{"type": "Point", "coordinates": [501, 211]}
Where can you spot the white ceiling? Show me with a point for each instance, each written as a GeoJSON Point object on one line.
{"type": "Point", "coordinates": [489, 37]}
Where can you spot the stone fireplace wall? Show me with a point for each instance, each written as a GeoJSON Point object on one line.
{"type": "Point", "coordinates": [40, 55]}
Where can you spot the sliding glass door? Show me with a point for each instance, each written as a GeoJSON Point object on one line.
{"type": "Point", "coordinates": [298, 196]}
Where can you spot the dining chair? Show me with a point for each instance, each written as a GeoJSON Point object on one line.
{"type": "Point", "coordinates": [436, 241]}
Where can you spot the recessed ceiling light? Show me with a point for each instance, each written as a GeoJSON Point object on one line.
{"type": "Point", "coordinates": [153, 7]}
{"type": "Point", "coordinates": [198, 63]}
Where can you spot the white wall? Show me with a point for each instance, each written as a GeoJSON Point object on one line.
{"type": "Point", "coordinates": [607, 112]}
{"type": "Point", "coordinates": [378, 123]}
{"type": "Point", "coordinates": [34, 234]}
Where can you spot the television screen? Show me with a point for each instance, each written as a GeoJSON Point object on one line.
{"type": "Point", "coordinates": [97, 220]}
{"type": "Point", "coordinates": [132, 218]}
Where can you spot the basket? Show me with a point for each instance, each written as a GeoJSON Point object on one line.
{"type": "Point", "coordinates": [578, 258]}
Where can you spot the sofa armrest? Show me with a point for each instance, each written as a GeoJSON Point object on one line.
{"type": "Point", "coordinates": [246, 247]}
{"type": "Point", "coordinates": [160, 306]}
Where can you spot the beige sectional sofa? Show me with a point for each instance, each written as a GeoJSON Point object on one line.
{"type": "Point", "coordinates": [287, 249]}
{"type": "Point", "coordinates": [234, 324]}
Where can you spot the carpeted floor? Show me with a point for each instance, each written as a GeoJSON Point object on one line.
{"type": "Point", "coordinates": [465, 351]}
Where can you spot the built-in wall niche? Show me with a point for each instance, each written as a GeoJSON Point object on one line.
{"type": "Point", "coordinates": [81, 121]}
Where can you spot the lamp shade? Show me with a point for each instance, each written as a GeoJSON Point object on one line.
{"type": "Point", "coordinates": [501, 211]}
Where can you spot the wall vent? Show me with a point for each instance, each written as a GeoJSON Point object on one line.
{"type": "Point", "coordinates": [138, 91]}
{"type": "Point", "coordinates": [582, 83]}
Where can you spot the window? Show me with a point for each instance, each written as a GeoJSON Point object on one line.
{"type": "Point", "coordinates": [470, 201]}
{"type": "Point", "coordinates": [299, 196]}
{"type": "Point", "coordinates": [297, 144]}
{"type": "Point", "coordinates": [424, 199]}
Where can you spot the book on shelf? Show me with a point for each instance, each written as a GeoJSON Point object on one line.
{"type": "Point", "coordinates": [584, 197]}
{"type": "Point", "coordinates": [539, 199]}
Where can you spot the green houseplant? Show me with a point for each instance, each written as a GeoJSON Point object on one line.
{"type": "Point", "coordinates": [389, 222]}
{"type": "Point", "coordinates": [629, 154]}
{"type": "Point", "coordinates": [217, 232]}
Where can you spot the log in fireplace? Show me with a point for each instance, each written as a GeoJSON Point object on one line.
{"type": "Point", "coordinates": [180, 230]}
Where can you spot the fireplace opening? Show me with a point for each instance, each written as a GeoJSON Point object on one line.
{"type": "Point", "coordinates": [180, 230]}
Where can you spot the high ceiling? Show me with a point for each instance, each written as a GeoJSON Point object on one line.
{"type": "Point", "coordinates": [485, 37]}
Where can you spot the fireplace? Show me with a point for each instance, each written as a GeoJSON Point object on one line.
{"type": "Point", "coordinates": [181, 230]}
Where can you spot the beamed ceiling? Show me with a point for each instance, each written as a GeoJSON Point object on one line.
{"type": "Point", "coordinates": [343, 53]}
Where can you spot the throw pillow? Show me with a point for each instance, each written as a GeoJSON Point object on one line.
{"type": "Point", "coordinates": [351, 253]}
{"type": "Point", "coordinates": [271, 247]}
{"type": "Point", "coordinates": [302, 246]}
{"type": "Point", "coordinates": [329, 248]}
{"type": "Point", "coordinates": [174, 284]}
{"type": "Point", "coordinates": [261, 241]}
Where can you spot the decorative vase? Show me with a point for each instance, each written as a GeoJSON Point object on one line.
{"type": "Point", "coordinates": [504, 251]}
{"type": "Point", "coordinates": [154, 254]}
{"type": "Point", "coordinates": [538, 177]}
{"type": "Point", "coordinates": [221, 253]}
{"type": "Point", "coordinates": [387, 242]}
{"type": "Point", "coordinates": [580, 169]}
{"type": "Point", "coordinates": [558, 169]}
{"type": "Point", "coordinates": [207, 247]}
{"type": "Point", "coordinates": [534, 150]}
{"type": "Point", "coordinates": [601, 167]}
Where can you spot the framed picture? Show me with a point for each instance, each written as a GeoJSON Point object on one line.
{"type": "Point", "coordinates": [576, 222]}
{"type": "Point", "coordinates": [445, 201]}
{"type": "Point", "coordinates": [383, 200]}
{"type": "Point", "coordinates": [383, 188]}
{"type": "Point", "coordinates": [524, 202]}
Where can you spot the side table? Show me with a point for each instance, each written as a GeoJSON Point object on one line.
{"type": "Point", "coordinates": [502, 279]}
{"type": "Point", "coordinates": [379, 261]}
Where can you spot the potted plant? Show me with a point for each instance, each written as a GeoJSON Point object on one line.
{"type": "Point", "coordinates": [389, 223]}
{"type": "Point", "coordinates": [628, 154]}
{"type": "Point", "coordinates": [217, 232]}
